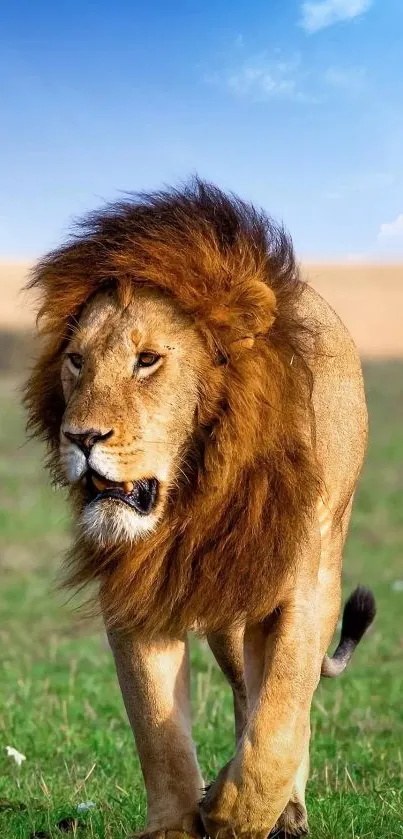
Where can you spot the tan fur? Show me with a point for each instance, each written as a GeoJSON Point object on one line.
{"type": "Point", "coordinates": [254, 424]}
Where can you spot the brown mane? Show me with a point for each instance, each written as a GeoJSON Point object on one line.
{"type": "Point", "coordinates": [230, 534]}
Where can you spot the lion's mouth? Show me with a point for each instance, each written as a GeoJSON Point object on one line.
{"type": "Point", "coordinates": [141, 495]}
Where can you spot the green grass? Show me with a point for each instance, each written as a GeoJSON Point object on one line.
{"type": "Point", "coordinates": [59, 700]}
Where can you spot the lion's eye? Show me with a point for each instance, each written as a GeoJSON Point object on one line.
{"type": "Point", "coordinates": [76, 361]}
{"type": "Point", "coordinates": [147, 359]}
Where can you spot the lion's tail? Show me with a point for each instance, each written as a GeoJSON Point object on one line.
{"type": "Point", "coordinates": [359, 612]}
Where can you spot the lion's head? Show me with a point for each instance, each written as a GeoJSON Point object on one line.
{"type": "Point", "coordinates": [173, 391]}
{"type": "Point", "coordinates": [132, 377]}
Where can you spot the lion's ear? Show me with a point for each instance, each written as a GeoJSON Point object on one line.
{"type": "Point", "coordinates": [250, 307]}
{"type": "Point", "coordinates": [264, 308]}
{"type": "Point", "coordinates": [245, 343]}
{"type": "Point", "coordinates": [254, 306]}
{"type": "Point", "coordinates": [258, 315]}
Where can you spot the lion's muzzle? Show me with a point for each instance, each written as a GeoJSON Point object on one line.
{"type": "Point", "coordinates": [141, 495]}
{"type": "Point", "coordinates": [88, 461]}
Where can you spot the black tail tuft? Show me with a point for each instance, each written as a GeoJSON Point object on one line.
{"type": "Point", "coordinates": [359, 612]}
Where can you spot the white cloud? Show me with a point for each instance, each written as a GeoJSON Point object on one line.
{"type": "Point", "coordinates": [349, 80]}
{"type": "Point", "coordinates": [261, 78]}
{"type": "Point", "coordinates": [319, 15]}
{"type": "Point", "coordinates": [392, 230]}
{"type": "Point", "coordinates": [359, 182]}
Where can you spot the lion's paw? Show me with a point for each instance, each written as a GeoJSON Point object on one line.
{"type": "Point", "coordinates": [164, 834]}
{"type": "Point", "coordinates": [219, 830]}
{"type": "Point", "coordinates": [190, 827]}
{"type": "Point", "coordinates": [216, 829]}
{"type": "Point", "coordinates": [292, 822]}
{"type": "Point", "coordinates": [228, 815]}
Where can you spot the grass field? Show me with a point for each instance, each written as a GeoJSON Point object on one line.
{"type": "Point", "coordinates": [59, 700]}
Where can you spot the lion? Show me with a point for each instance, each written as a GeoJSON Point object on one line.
{"type": "Point", "coordinates": [205, 408]}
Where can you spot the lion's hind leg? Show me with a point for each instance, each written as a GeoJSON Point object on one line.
{"type": "Point", "coordinates": [294, 819]}
{"type": "Point", "coordinates": [227, 648]}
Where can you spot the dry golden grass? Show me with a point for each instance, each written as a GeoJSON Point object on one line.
{"type": "Point", "coordinates": [16, 310]}
{"type": "Point", "coordinates": [368, 298]}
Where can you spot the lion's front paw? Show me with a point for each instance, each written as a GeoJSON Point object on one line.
{"type": "Point", "coordinates": [164, 834]}
{"type": "Point", "coordinates": [231, 830]}
{"type": "Point", "coordinates": [191, 828]}
{"type": "Point", "coordinates": [292, 822]}
{"type": "Point", "coordinates": [184, 826]}
{"type": "Point", "coordinates": [226, 814]}
{"type": "Point", "coordinates": [168, 833]}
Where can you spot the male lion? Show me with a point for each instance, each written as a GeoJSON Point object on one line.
{"type": "Point", "coordinates": [206, 409]}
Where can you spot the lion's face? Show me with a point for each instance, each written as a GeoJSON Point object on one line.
{"type": "Point", "coordinates": [130, 378]}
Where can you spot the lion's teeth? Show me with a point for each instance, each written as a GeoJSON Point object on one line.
{"type": "Point", "coordinates": [98, 483]}
{"type": "Point", "coordinates": [101, 485]}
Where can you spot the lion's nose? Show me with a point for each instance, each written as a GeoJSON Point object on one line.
{"type": "Point", "coordinates": [85, 440]}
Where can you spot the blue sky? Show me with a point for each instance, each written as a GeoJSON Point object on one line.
{"type": "Point", "coordinates": [295, 105]}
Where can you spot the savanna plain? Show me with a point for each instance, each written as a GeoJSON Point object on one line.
{"type": "Point", "coordinates": [59, 700]}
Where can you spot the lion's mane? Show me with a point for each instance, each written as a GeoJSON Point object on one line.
{"type": "Point", "coordinates": [232, 528]}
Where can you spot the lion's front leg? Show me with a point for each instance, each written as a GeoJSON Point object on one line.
{"type": "Point", "coordinates": [154, 679]}
{"type": "Point", "coordinates": [255, 788]}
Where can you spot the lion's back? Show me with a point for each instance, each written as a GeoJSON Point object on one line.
{"type": "Point", "coordinates": [338, 398]}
